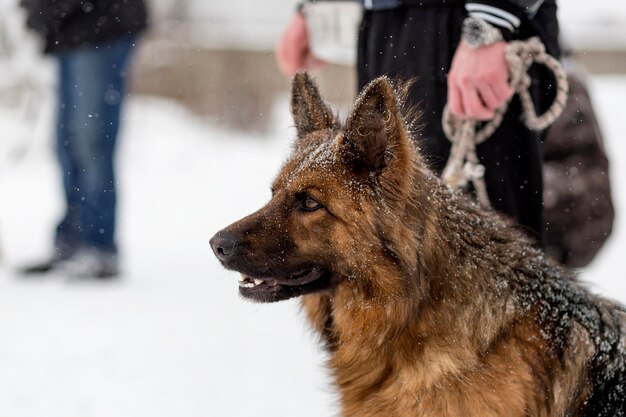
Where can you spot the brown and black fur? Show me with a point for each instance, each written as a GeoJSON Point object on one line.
{"type": "Point", "coordinates": [427, 304]}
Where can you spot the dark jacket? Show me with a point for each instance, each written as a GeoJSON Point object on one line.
{"type": "Point", "coordinates": [516, 19]}
{"type": "Point", "coordinates": [69, 24]}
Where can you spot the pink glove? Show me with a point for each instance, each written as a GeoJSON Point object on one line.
{"type": "Point", "coordinates": [292, 52]}
{"type": "Point", "coordinates": [478, 81]}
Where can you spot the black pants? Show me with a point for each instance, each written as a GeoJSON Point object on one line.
{"type": "Point", "coordinates": [418, 42]}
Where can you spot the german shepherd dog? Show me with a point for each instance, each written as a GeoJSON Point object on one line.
{"type": "Point", "coordinates": [427, 304]}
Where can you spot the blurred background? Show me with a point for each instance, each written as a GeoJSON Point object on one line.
{"type": "Point", "coordinates": [205, 129]}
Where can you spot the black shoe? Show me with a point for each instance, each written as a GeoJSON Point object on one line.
{"type": "Point", "coordinates": [43, 267]}
{"type": "Point", "coordinates": [39, 268]}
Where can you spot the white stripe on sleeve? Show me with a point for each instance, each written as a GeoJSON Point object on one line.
{"type": "Point", "coordinates": [499, 13]}
{"type": "Point", "coordinates": [493, 20]}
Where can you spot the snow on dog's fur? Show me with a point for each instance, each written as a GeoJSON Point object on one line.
{"type": "Point", "coordinates": [427, 304]}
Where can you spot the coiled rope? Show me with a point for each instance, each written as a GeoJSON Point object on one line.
{"type": "Point", "coordinates": [463, 165]}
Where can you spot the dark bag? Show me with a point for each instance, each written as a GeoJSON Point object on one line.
{"type": "Point", "coordinates": [577, 193]}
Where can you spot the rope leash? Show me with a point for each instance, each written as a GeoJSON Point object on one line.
{"type": "Point", "coordinates": [463, 165]}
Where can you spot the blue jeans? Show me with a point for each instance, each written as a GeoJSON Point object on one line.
{"type": "Point", "coordinates": [92, 89]}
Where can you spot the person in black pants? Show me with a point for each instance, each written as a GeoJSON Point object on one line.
{"type": "Point", "coordinates": [422, 39]}
{"type": "Point", "coordinates": [93, 43]}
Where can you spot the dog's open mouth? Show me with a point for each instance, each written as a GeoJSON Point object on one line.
{"type": "Point", "coordinates": [300, 278]}
{"type": "Point", "coordinates": [269, 289]}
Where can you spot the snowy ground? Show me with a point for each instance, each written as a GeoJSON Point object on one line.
{"type": "Point", "coordinates": [172, 338]}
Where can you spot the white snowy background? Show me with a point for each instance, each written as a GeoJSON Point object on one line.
{"type": "Point", "coordinates": [172, 337]}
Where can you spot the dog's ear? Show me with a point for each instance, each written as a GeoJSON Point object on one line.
{"type": "Point", "coordinates": [309, 110]}
{"type": "Point", "coordinates": [374, 133]}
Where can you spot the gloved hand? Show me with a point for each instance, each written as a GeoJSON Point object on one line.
{"type": "Point", "coordinates": [478, 81]}
{"type": "Point", "coordinates": [293, 51]}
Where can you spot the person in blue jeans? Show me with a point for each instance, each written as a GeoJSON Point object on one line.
{"type": "Point", "coordinates": [93, 45]}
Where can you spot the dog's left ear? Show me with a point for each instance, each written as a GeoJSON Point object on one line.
{"type": "Point", "coordinates": [309, 110]}
{"type": "Point", "coordinates": [375, 136]}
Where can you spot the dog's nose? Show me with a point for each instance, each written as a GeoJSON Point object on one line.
{"type": "Point", "coordinates": [224, 245]}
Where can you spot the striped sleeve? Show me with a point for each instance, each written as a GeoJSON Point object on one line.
{"type": "Point", "coordinates": [506, 15]}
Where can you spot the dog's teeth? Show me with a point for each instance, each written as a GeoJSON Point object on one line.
{"type": "Point", "coordinates": [247, 282]}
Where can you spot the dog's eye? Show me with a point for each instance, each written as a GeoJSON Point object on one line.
{"type": "Point", "coordinates": [310, 204]}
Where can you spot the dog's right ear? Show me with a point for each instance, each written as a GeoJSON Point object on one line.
{"type": "Point", "coordinates": [375, 136]}
{"type": "Point", "coordinates": [309, 110]}
{"type": "Point", "coordinates": [376, 141]}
